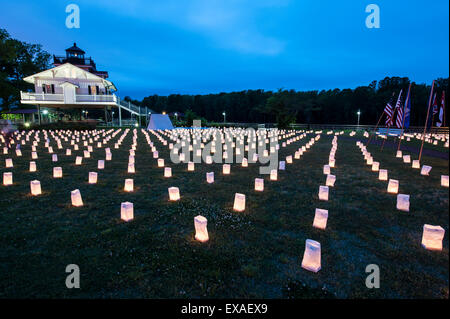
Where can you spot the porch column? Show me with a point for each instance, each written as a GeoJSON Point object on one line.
{"type": "Point", "coordinates": [140, 117]}
{"type": "Point", "coordinates": [39, 114]}
{"type": "Point", "coordinates": [120, 116]}
{"type": "Point", "coordinates": [106, 120]}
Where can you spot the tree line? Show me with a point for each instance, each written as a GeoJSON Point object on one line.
{"type": "Point", "coordinates": [337, 106]}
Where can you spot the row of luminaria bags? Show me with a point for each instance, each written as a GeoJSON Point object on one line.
{"type": "Point", "coordinates": [432, 235]}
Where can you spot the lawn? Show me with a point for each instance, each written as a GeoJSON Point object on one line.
{"type": "Point", "coordinates": [252, 254]}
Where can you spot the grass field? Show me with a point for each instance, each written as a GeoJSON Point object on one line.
{"type": "Point", "coordinates": [253, 254]}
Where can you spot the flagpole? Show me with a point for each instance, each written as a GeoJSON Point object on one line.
{"type": "Point", "coordinates": [376, 126]}
{"type": "Point", "coordinates": [387, 136]}
{"type": "Point", "coordinates": [443, 109]}
{"type": "Point", "coordinates": [404, 115]}
{"type": "Point", "coordinates": [432, 116]}
{"type": "Point", "coordinates": [426, 121]}
{"type": "Point", "coordinates": [431, 127]}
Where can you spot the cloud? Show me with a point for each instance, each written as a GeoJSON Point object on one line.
{"type": "Point", "coordinates": [228, 24]}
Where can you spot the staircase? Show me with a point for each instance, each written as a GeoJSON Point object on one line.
{"type": "Point", "coordinates": [134, 110]}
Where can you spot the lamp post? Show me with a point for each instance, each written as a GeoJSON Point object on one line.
{"type": "Point", "coordinates": [224, 116]}
{"type": "Point", "coordinates": [45, 112]}
{"type": "Point", "coordinates": [359, 114]}
{"type": "Point", "coordinates": [112, 118]}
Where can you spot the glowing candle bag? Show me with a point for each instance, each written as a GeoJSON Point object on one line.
{"type": "Point", "coordinates": [393, 186]}
{"type": "Point", "coordinates": [7, 178]}
{"type": "Point", "coordinates": [432, 237]}
{"type": "Point", "coordinates": [126, 211]}
{"type": "Point", "coordinates": [444, 180]}
{"type": "Point", "coordinates": [129, 185]}
{"type": "Point", "coordinates": [383, 174]}
{"type": "Point", "coordinates": [425, 170]}
{"type": "Point", "coordinates": [403, 202]}
{"type": "Point", "coordinates": [259, 184]}
{"type": "Point", "coordinates": [312, 256]}
{"type": "Point", "coordinates": [375, 166]}
{"type": "Point", "coordinates": [201, 231]}
{"type": "Point", "coordinates": [35, 187]}
{"type": "Point", "coordinates": [323, 192]}
{"type": "Point", "coordinates": [331, 179]}
{"type": "Point", "coordinates": [320, 218]}
{"type": "Point", "coordinates": [57, 172]}
{"type": "Point", "coordinates": [75, 195]}
{"type": "Point", "coordinates": [93, 177]}
{"type": "Point", "coordinates": [9, 163]}
{"type": "Point", "coordinates": [331, 162]}
{"type": "Point", "coordinates": [273, 175]}
{"type": "Point", "coordinates": [239, 202]}
{"type": "Point", "coordinates": [226, 169]}
{"type": "Point", "coordinates": [210, 177]}
{"type": "Point", "coordinates": [174, 194]}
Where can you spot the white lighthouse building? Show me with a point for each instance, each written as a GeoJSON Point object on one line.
{"type": "Point", "coordinates": [75, 83]}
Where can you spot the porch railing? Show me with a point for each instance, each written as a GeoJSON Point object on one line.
{"type": "Point", "coordinates": [79, 98]}
{"type": "Point", "coordinates": [95, 98]}
{"type": "Point", "coordinates": [26, 96]}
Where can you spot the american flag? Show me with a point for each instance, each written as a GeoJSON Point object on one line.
{"type": "Point", "coordinates": [435, 106]}
{"type": "Point", "coordinates": [399, 108]}
{"type": "Point", "coordinates": [389, 110]}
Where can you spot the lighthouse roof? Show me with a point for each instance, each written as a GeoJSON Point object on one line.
{"type": "Point", "coordinates": [75, 49]}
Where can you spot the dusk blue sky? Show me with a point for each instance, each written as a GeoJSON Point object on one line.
{"type": "Point", "coordinates": [208, 46]}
